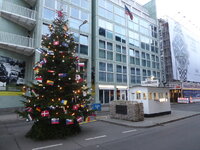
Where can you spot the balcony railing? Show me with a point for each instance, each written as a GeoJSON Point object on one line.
{"type": "Point", "coordinates": [13, 39]}
{"type": "Point", "coordinates": [19, 10]}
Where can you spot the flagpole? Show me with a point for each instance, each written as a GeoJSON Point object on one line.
{"type": "Point", "coordinates": [127, 59]}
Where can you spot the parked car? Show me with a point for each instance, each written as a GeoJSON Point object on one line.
{"type": "Point", "coordinates": [3, 73]}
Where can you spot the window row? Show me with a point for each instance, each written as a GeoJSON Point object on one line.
{"type": "Point", "coordinates": [58, 4]}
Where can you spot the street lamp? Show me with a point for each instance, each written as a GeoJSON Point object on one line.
{"type": "Point", "coordinates": [79, 45]}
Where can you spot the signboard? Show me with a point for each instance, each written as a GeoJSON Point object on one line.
{"type": "Point", "coordinates": [150, 82]}
{"type": "Point", "coordinates": [121, 109]}
{"type": "Point", "coordinates": [183, 100]}
{"type": "Point", "coordinates": [96, 106]}
{"type": "Point", "coordinates": [185, 52]}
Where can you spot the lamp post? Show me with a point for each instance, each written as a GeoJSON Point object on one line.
{"type": "Point", "coordinates": [79, 45]}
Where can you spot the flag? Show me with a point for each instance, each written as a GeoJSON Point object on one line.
{"type": "Point", "coordinates": [51, 71]}
{"type": "Point", "coordinates": [39, 79]}
{"type": "Point", "coordinates": [49, 82]}
{"type": "Point", "coordinates": [81, 64]}
{"type": "Point", "coordinates": [62, 74]}
{"type": "Point", "coordinates": [54, 120]}
{"type": "Point", "coordinates": [45, 113]}
{"type": "Point", "coordinates": [87, 119]}
{"type": "Point", "coordinates": [38, 109]}
{"type": "Point", "coordinates": [69, 121]}
{"type": "Point", "coordinates": [50, 52]}
{"type": "Point", "coordinates": [64, 102]}
{"type": "Point", "coordinates": [79, 119]}
{"type": "Point", "coordinates": [128, 12]}
{"type": "Point", "coordinates": [30, 118]}
{"type": "Point", "coordinates": [29, 109]}
{"type": "Point", "coordinates": [33, 91]}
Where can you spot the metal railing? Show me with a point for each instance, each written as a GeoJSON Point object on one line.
{"type": "Point", "coordinates": [14, 39]}
{"type": "Point", "coordinates": [19, 10]}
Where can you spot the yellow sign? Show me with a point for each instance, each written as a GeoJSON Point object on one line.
{"type": "Point", "coordinates": [10, 93]}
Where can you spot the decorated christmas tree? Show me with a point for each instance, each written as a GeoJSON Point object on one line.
{"type": "Point", "coordinates": [58, 99]}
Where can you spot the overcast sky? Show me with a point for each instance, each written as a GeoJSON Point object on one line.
{"type": "Point", "coordinates": [188, 11]}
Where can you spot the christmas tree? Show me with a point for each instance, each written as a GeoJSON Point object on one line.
{"type": "Point", "coordinates": [58, 99]}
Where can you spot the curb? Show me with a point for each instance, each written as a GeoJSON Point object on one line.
{"type": "Point", "coordinates": [145, 126]}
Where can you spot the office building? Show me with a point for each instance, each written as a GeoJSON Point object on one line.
{"type": "Point", "coordinates": [118, 52]}
{"type": "Point", "coordinates": [125, 50]}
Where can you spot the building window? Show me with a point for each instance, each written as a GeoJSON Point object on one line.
{"type": "Point", "coordinates": [84, 44]}
{"type": "Point", "coordinates": [106, 96]}
{"type": "Point", "coordinates": [105, 50]}
{"type": "Point", "coordinates": [144, 96]}
{"type": "Point", "coordinates": [135, 75]}
{"type": "Point", "coordinates": [106, 72]}
{"type": "Point", "coordinates": [45, 29]}
{"type": "Point", "coordinates": [48, 14]}
{"type": "Point", "coordinates": [121, 74]}
{"type": "Point", "coordinates": [121, 53]}
{"type": "Point", "coordinates": [138, 95]}
{"type": "Point", "coordinates": [150, 96]}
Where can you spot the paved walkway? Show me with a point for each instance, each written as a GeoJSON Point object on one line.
{"type": "Point", "coordinates": [152, 121]}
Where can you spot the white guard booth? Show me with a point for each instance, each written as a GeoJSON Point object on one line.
{"type": "Point", "coordinates": [156, 100]}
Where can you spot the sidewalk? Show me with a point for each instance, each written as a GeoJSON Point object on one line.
{"type": "Point", "coordinates": [153, 121]}
{"type": "Point", "coordinates": [104, 116]}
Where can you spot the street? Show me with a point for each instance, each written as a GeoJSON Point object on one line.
{"type": "Point", "coordinates": [183, 134]}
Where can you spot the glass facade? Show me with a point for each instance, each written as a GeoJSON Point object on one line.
{"type": "Point", "coordinates": [131, 46]}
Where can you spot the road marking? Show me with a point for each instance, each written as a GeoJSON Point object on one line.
{"type": "Point", "coordinates": [47, 146]}
{"type": "Point", "coordinates": [129, 131]}
{"type": "Point", "coordinates": [97, 137]}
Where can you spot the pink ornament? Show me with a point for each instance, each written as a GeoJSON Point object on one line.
{"type": "Point", "coordinates": [75, 107]}
{"type": "Point", "coordinates": [56, 43]}
{"type": "Point", "coordinates": [60, 13]}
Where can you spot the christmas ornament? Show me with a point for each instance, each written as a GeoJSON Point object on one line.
{"type": "Point", "coordinates": [78, 77]}
{"type": "Point", "coordinates": [45, 113]}
{"type": "Point", "coordinates": [75, 107]}
{"type": "Point", "coordinates": [55, 121]}
{"type": "Point", "coordinates": [49, 82]}
{"type": "Point", "coordinates": [56, 43]}
{"type": "Point", "coordinates": [69, 121]}
{"type": "Point", "coordinates": [60, 13]}
{"type": "Point", "coordinates": [84, 93]}
{"type": "Point", "coordinates": [65, 27]}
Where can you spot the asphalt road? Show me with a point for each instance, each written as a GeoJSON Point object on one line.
{"type": "Point", "coordinates": [179, 135]}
